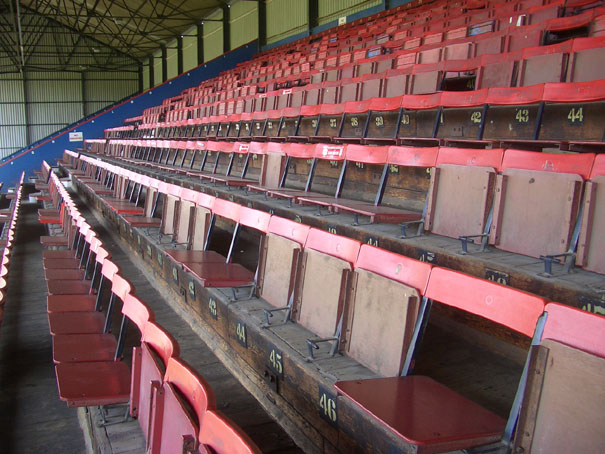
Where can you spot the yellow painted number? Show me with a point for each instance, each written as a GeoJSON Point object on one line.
{"type": "Point", "coordinates": [379, 121]}
{"type": "Point", "coordinates": [576, 115]}
{"type": "Point", "coordinates": [212, 308]}
{"type": "Point", "coordinates": [372, 241]}
{"type": "Point", "coordinates": [354, 122]}
{"type": "Point", "coordinates": [476, 117]}
{"type": "Point", "coordinates": [333, 123]}
{"type": "Point", "coordinates": [328, 406]}
{"type": "Point", "coordinates": [275, 358]}
{"type": "Point", "coordinates": [240, 331]}
{"type": "Point", "coordinates": [522, 116]}
{"type": "Point", "coordinates": [405, 119]}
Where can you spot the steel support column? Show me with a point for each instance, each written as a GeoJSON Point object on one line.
{"type": "Point", "coordinates": [141, 79]}
{"type": "Point", "coordinates": [313, 10]}
{"type": "Point", "coordinates": [164, 63]}
{"type": "Point", "coordinates": [226, 28]}
{"type": "Point", "coordinates": [179, 54]}
{"type": "Point", "coordinates": [262, 23]}
{"type": "Point", "coordinates": [200, 43]}
{"type": "Point", "coordinates": [151, 72]}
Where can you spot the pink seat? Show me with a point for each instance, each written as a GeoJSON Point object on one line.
{"type": "Point", "coordinates": [420, 411]}
{"type": "Point", "coordinates": [184, 401]}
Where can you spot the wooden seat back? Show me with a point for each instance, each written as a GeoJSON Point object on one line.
{"type": "Point", "coordinates": [563, 402]}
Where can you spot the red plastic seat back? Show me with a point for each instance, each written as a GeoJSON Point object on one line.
{"type": "Point", "coordinates": [224, 437]}
{"type": "Point", "coordinates": [176, 421]}
{"type": "Point", "coordinates": [506, 306]}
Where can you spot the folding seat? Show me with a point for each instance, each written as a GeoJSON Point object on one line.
{"type": "Point", "coordinates": [326, 158]}
{"type": "Point", "coordinates": [99, 382]}
{"type": "Point", "coordinates": [383, 120]}
{"type": "Point", "coordinates": [72, 259]}
{"type": "Point", "coordinates": [234, 126]}
{"type": "Point", "coordinates": [149, 363]}
{"type": "Point", "coordinates": [461, 194]}
{"type": "Point", "coordinates": [382, 309]}
{"type": "Point", "coordinates": [329, 92]}
{"type": "Point", "coordinates": [424, 413]}
{"type": "Point", "coordinates": [383, 63]}
{"type": "Point", "coordinates": [170, 197]}
{"type": "Point", "coordinates": [370, 87]}
{"type": "Point", "coordinates": [329, 123]}
{"type": "Point", "coordinates": [396, 82]}
{"type": "Point", "coordinates": [259, 121]}
{"type": "Point", "coordinates": [541, 14]}
{"type": "Point", "coordinates": [460, 75]}
{"type": "Point", "coordinates": [91, 258]}
{"type": "Point", "coordinates": [297, 96]}
{"type": "Point", "coordinates": [544, 64]}
{"type": "Point", "coordinates": [96, 347]}
{"type": "Point", "coordinates": [181, 402]}
{"type": "Point", "coordinates": [584, 53]}
{"type": "Point", "coordinates": [426, 78]}
{"type": "Point", "coordinates": [355, 117]}
{"type": "Point", "coordinates": [128, 191]}
{"type": "Point", "coordinates": [212, 150]}
{"type": "Point", "coordinates": [519, 38]}
{"type": "Point", "coordinates": [571, 342]}
{"type": "Point", "coordinates": [71, 222]}
{"type": "Point", "coordinates": [312, 96]}
{"type": "Point", "coordinates": [221, 436]}
{"type": "Point", "coordinates": [245, 129]}
{"type": "Point", "coordinates": [375, 210]}
{"type": "Point", "coordinates": [573, 114]}
{"type": "Point", "coordinates": [279, 265]}
{"type": "Point", "coordinates": [148, 218]}
{"type": "Point", "coordinates": [318, 303]}
{"type": "Point", "coordinates": [499, 70]}
{"type": "Point", "coordinates": [428, 54]}
{"type": "Point", "coordinates": [349, 91]}
{"type": "Point", "coordinates": [365, 67]}
{"type": "Point", "coordinates": [462, 117]}
{"type": "Point", "coordinates": [534, 187]}
{"type": "Point", "coordinates": [513, 116]}
{"type": "Point", "coordinates": [302, 153]}
{"type": "Point", "coordinates": [67, 314]}
{"type": "Point", "coordinates": [590, 241]}
{"type": "Point", "coordinates": [214, 270]}
{"type": "Point", "coordinates": [62, 279]}
{"type": "Point", "coordinates": [419, 119]}
{"type": "Point", "coordinates": [251, 150]}
{"type": "Point", "coordinates": [458, 51]}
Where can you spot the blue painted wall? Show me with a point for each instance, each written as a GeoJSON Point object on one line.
{"type": "Point", "coordinates": [51, 148]}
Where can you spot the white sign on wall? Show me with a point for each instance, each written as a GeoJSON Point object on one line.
{"type": "Point", "coordinates": [76, 137]}
{"type": "Point", "coordinates": [342, 20]}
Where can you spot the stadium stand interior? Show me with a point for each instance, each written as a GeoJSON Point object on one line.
{"type": "Point", "coordinates": [390, 233]}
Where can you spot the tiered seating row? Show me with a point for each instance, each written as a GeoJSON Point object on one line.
{"type": "Point", "coordinates": [174, 405]}
{"type": "Point", "coordinates": [552, 115]}
{"type": "Point", "coordinates": [8, 218]}
{"type": "Point", "coordinates": [369, 304]}
{"type": "Point", "coordinates": [488, 207]}
{"type": "Point", "coordinates": [487, 46]}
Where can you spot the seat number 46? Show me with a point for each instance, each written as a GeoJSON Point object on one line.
{"type": "Point", "coordinates": [327, 405]}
